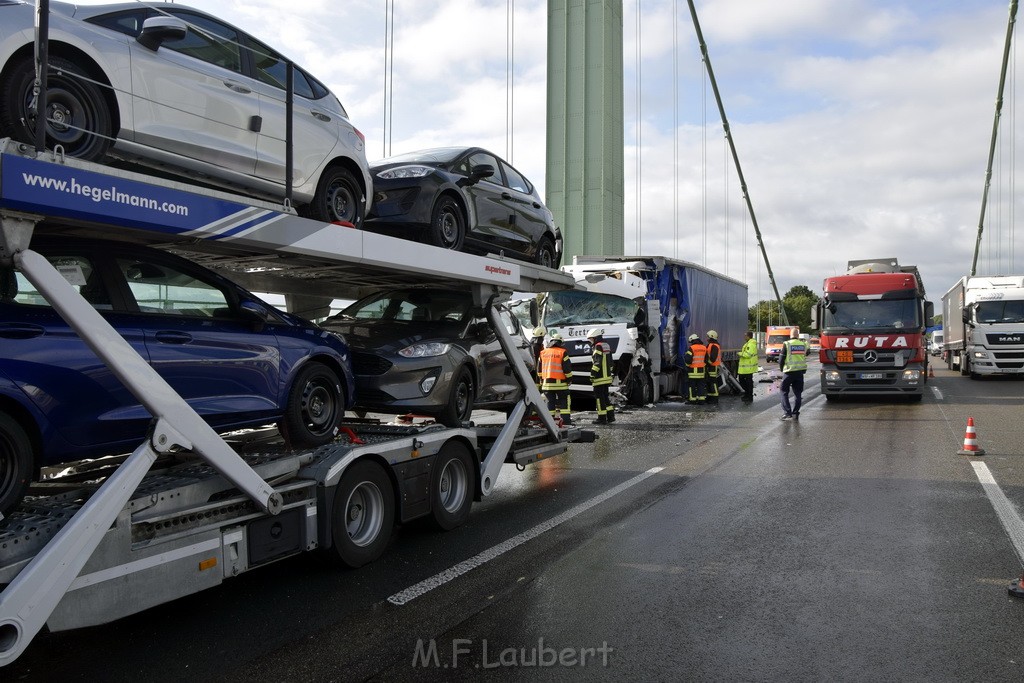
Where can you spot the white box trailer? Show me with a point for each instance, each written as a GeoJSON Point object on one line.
{"type": "Point", "coordinates": [162, 524]}
{"type": "Point", "coordinates": [983, 325]}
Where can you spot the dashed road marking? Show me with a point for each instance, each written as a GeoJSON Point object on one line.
{"type": "Point", "coordinates": [1007, 513]}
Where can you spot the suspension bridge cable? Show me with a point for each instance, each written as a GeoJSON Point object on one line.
{"type": "Point", "coordinates": [995, 132]}
{"type": "Point", "coordinates": [735, 157]}
{"type": "Point", "coordinates": [639, 207]}
{"type": "Point", "coordinates": [675, 129]}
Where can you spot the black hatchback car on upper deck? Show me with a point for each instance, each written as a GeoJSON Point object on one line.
{"type": "Point", "coordinates": [465, 199]}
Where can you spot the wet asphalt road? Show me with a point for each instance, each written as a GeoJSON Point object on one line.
{"type": "Point", "coordinates": [855, 544]}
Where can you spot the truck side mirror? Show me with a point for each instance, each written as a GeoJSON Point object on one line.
{"type": "Point", "coordinates": [534, 312]}
{"type": "Point", "coordinates": [929, 312]}
{"type": "Point", "coordinates": [815, 315]}
{"type": "Point", "coordinates": [966, 314]}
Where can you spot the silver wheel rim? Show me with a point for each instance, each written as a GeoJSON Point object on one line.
{"type": "Point", "coordinates": [454, 485]}
{"type": "Point", "coordinates": [364, 514]}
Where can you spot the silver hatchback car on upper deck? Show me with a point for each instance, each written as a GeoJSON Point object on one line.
{"type": "Point", "coordinates": [171, 87]}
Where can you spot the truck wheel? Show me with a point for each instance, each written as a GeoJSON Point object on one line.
{"type": "Point", "coordinates": [15, 462]}
{"type": "Point", "coordinates": [363, 515]}
{"type": "Point", "coordinates": [460, 402]}
{"type": "Point", "coordinates": [641, 390]}
{"type": "Point", "coordinates": [316, 403]}
{"type": "Point", "coordinates": [451, 486]}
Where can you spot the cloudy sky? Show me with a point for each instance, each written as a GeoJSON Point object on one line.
{"type": "Point", "coordinates": [862, 126]}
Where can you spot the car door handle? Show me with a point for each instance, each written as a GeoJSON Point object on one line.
{"type": "Point", "coordinates": [237, 87]}
{"type": "Point", "coordinates": [16, 331]}
{"type": "Point", "coordinates": [170, 337]}
{"type": "Point", "coordinates": [536, 205]}
{"type": "Point", "coordinates": [320, 115]}
{"type": "Point", "coordinates": [506, 195]}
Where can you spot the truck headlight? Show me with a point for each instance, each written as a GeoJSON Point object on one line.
{"type": "Point", "coordinates": [832, 376]}
{"type": "Point", "coordinates": [912, 375]}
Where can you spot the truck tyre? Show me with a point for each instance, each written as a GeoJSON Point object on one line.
{"type": "Point", "coordinates": [363, 514]}
{"type": "Point", "coordinates": [641, 387]}
{"type": "Point", "coordinates": [451, 486]}
{"type": "Point", "coordinates": [15, 462]}
{"type": "Point", "coordinates": [316, 404]}
{"type": "Point", "coordinates": [460, 401]}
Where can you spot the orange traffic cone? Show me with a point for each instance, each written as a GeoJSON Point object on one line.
{"type": "Point", "coordinates": [931, 372]}
{"type": "Point", "coordinates": [1017, 587]}
{"type": "Point", "coordinates": [971, 441]}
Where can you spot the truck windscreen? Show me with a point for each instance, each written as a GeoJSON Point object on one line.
{"type": "Point", "coordinates": [884, 314]}
{"type": "Point", "coordinates": [572, 307]}
{"type": "Point", "coordinates": [1000, 312]}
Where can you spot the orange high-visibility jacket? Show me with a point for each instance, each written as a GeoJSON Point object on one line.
{"type": "Point", "coordinates": [554, 364]}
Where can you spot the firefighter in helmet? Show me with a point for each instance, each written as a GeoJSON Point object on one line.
{"type": "Point", "coordinates": [712, 362]}
{"type": "Point", "coordinates": [536, 346]}
{"type": "Point", "coordinates": [601, 376]}
{"type": "Point", "coordinates": [555, 375]}
{"type": "Point", "coordinates": [695, 361]}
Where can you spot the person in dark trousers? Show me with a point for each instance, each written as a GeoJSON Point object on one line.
{"type": "Point", "coordinates": [555, 375]}
{"type": "Point", "coordinates": [694, 359]}
{"type": "Point", "coordinates": [601, 377]}
{"type": "Point", "coordinates": [536, 346]}
{"type": "Point", "coordinates": [793, 361]}
{"type": "Point", "coordinates": [714, 360]}
{"type": "Point", "coordinates": [747, 367]}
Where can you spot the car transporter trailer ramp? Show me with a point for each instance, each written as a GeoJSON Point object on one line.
{"type": "Point", "coordinates": [164, 524]}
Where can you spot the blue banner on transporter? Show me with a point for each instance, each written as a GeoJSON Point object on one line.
{"type": "Point", "coordinates": [37, 186]}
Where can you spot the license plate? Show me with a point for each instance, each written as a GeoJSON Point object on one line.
{"type": "Point", "coordinates": [871, 375]}
{"type": "Point", "coordinates": [844, 356]}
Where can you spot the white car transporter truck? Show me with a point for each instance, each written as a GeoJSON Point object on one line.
{"type": "Point", "coordinates": [185, 510]}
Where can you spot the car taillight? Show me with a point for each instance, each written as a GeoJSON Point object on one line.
{"type": "Point", "coordinates": [359, 133]}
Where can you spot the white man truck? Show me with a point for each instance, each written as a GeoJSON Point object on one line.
{"type": "Point", "coordinates": [983, 325]}
{"type": "Point", "coordinates": [188, 509]}
{"type": "Point", "coordinates": [647, 306]}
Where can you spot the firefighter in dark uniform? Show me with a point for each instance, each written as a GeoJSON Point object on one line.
{"type": "Point", "coordinates": [555, 374]}
{"type": "Point", "coordinates": [601, 376]}
{"type": "Point", "coordinates": [694, 359]}
{"type": "Point", "coordinates": [713, 362]}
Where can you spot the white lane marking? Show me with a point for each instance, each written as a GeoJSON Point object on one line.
{"type": "Point", "coordinates": [938, 394]}
{"type": "Point", "coordinates": [427, 585]}
{"type": "Point", "coordinates": [1008, 514]}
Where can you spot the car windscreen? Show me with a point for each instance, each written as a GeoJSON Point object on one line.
{"type": "Point", "coordinates": [412, 306]}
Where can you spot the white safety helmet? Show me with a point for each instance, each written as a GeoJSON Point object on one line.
{"type": "Point", "coordinates": [595, 333]}
{"type": "Point", "coordinates": [539, 331]}
{"type": "Point", "coordinates": [693, 338]}
{"type": "Point", "coordinates": [556, 337]}
{"type": "Point", "coordinates": [712, 334]}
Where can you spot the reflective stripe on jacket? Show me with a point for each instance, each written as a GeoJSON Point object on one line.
{"type": "Point", "coordinates": [600, 373]}
{"type": "Point", "coordinates": [695, 355]}
{"type": "Point", "coordinates": [748, 358]}
{"type": "Point", "coordinates": [794, 355]}
{"type": "Point", "coordinates": [554, 366]}
{"type": "Point", "coordinates": [714, 354]}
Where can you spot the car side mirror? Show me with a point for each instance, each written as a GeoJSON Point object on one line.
{"type": "Point", "coordinates": [480, 171]}
{"type": "Point", "coordinates": [254, 313]}
{"type": "Point", "coordinates": [157, 30]}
